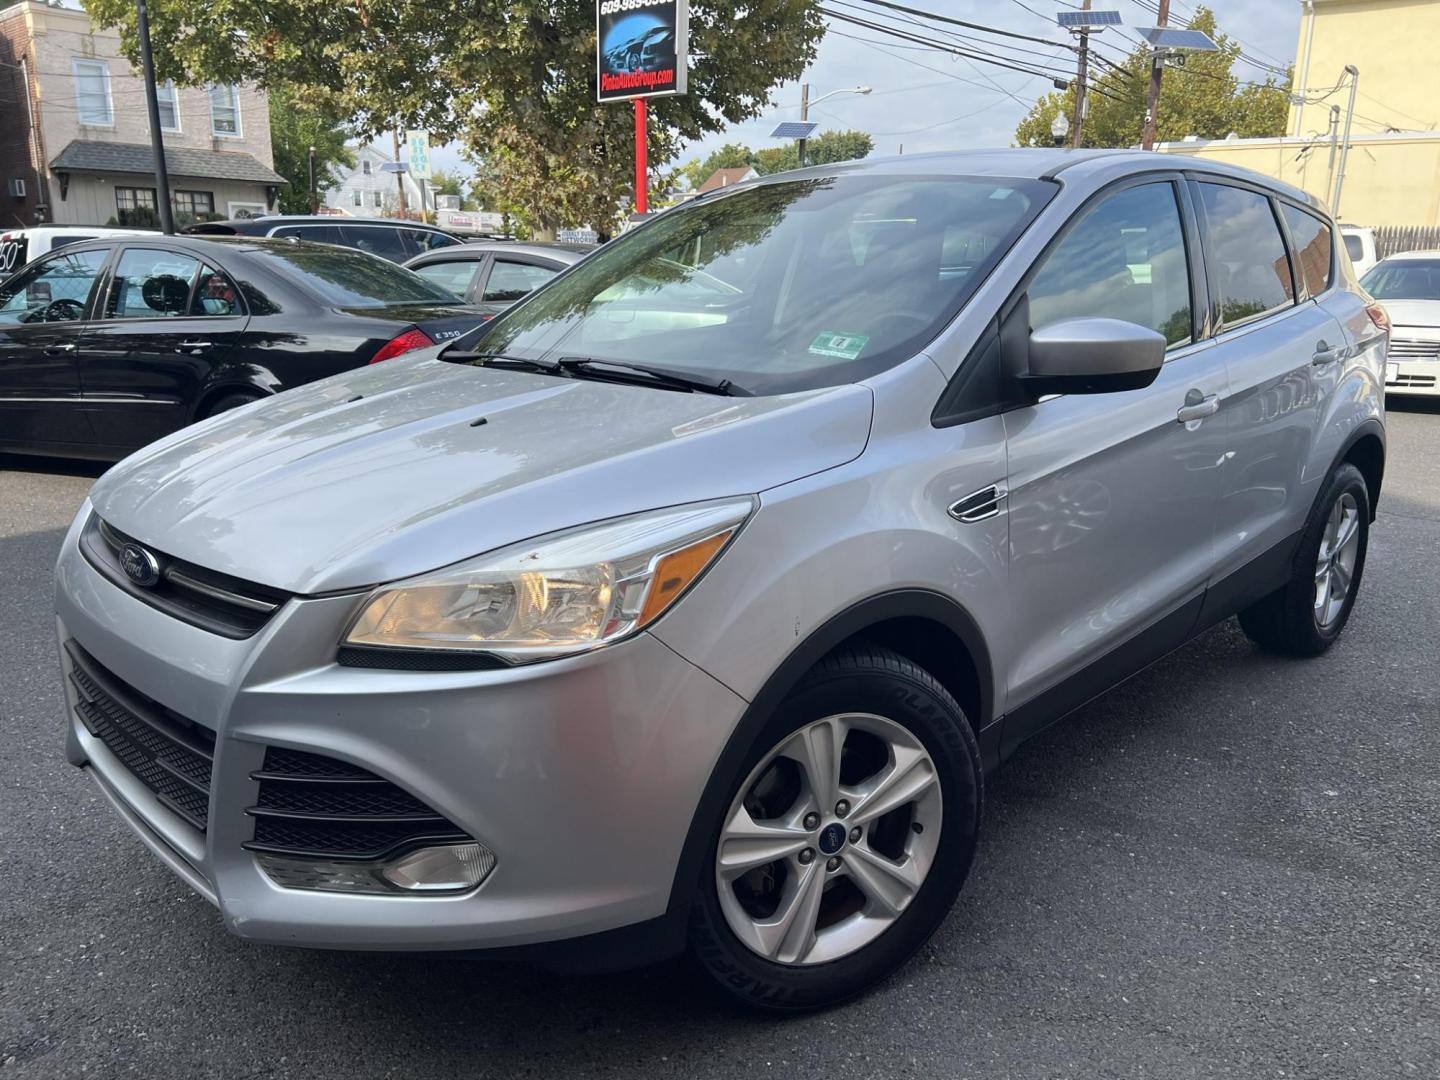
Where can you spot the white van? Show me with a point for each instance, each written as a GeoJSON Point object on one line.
{"type": "Point", "coordinates": [20, 246]}
{"type": "Point", "coordinates": [1360, 246]}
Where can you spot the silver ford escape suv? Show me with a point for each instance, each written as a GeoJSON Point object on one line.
{"type": "Point", "coordinates": [689, 602]}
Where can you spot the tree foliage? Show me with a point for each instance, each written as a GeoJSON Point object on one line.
{"type": "Point", "coordinates": [513, 80]}
{"type": "Point", "coordinates": [298, 122]}
{"type": "Point", "coordinates": [1205, 98]}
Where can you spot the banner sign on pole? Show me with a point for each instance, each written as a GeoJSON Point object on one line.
{"type": "Point", "coordinates": [640, 48]}
{"type": "Point", "coordinates": [418, 145]}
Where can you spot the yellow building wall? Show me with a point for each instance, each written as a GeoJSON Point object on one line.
{"type": "Point", "coordinates": [1394, 45]}
{"type": "Point", "coordinates": [1389, 180]}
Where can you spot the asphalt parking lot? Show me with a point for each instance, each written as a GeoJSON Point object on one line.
{"type": "Point", "coordinates": [1226, 867]}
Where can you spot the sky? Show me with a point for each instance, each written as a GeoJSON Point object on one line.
{"type": "Point", "coordinates": [930, 108]}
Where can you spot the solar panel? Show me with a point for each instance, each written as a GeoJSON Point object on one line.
{"type": "Point", "coordinates": [794, 129]}
{"type": "Point", "coordinates": [1076, 20]}
{"type": "Point", "coordinates": [1164, 37]}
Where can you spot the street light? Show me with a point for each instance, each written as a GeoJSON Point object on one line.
{"type": "Point", "coordinates": [805, 104]}
{"type": "Point", "coordinates": [1059, 128]}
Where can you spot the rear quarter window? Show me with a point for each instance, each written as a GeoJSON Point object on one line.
{"type": "Point", "coordinates": [1313, 248]}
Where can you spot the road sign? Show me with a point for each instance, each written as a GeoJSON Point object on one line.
{"type": "Point", "coordinates": [641, 48]}
{"type": "Point", "coordinates": [418, 146]}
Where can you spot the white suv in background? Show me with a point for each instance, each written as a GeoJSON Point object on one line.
{"type": "Point", "coordinates": [1408, 285]}
{"type": "Point", "coordinates": [20, 246]}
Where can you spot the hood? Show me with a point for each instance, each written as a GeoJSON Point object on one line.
{"type": "Point", "coordinates": [410, 465]}
{"type": "Point", "coordinates": [1420, 314]}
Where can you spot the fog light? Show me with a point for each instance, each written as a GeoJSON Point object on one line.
{"type": "Point", "coordinates": [444, 868]}
{"type": "Point", "coordinates": [440, 869]}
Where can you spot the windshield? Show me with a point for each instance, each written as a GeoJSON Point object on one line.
{"type": "Point", "coordinates": [780, 287]}
{"type": "Point", "coordinates": [1407, 279]}
{"type": "Point", "coordinates": [346, 278]}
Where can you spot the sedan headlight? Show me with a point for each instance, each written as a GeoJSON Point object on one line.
{"type": "Point", "coordinates": [558, 594]}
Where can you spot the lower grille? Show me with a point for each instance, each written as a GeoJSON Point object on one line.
{"type": "Point", "coordinates": [1417, 382]}
{"type": "Point", "coordinates": [167, 753]}
{"type": "Point", "coordinates": [1413, 349]}
{"type": "Point", "coordinates": [314, 807]}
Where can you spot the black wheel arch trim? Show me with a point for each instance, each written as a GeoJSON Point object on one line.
{"type": "Point", "coordinates": [212, 392]}
{"type": "Point", "coordinates": [852, 622]}
{"type": "Point", "coordinates": [1366, 428]}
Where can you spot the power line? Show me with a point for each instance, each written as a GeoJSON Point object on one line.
{"type": "Point", "coordinates": [886, 49]}
{"type": "Point", "coordinates": [969, 25]}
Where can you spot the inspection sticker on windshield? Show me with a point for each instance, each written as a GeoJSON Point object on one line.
{"type": "Point", "coordinates": [845, 346]}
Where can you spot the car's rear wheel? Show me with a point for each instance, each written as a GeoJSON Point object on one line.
{"type": "Point", "coordinates": [1307, 614]}
{"type": "Point", "coordinates": [847, 835]}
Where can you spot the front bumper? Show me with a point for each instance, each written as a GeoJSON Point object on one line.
{"type": "Point", "coordinates": [581, 775]}
{"type": "Point", "coordinates": [1420, 377]}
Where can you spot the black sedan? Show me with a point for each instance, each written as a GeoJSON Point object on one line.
{"type": "Point", "coordinates": [493, 274]}
{"type": "Point", "coordinates": [108, 345]}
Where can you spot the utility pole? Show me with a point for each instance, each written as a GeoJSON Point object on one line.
{"type": "Point", "coordinates": [314, 198]}
{"type": "Point", "coordinates": [157, 142]}
{"type": "Point", "coordinates": [1354, 73]}
{"type": "Point", "coordinates": [1334, 142]}
{"type": "Point", "coordinates": [804, 115]}
{"type": "Point", "coordinates": [1077, 124]}
{"type": "Point", "coordinates": [1157, 69]}
{"type": "Point", "coordinates": [399, 176]}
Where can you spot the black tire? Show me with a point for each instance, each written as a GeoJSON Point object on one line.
{"type": "Point", "coordinates": [862, 679]}
{"type": "Point", "coordinates": [228, 402]}
{"type": "Point", "coordinates": [1285, 621]}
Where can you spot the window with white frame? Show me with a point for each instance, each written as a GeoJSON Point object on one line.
{"type": "Point", "coordinates": [225, 111]}
{"type": "Point", "coordinates": [92, 93]}
{"type": "Point", "coordinates": [379, 199]}
{"type": "Point", "coordinates": [365, 167]}
{"type": "Point", "coordinates": [358, 198]}
{"type": "Point", "coordinates": [168, 98]}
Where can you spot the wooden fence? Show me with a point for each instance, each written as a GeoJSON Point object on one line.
{"type": "Point", "coordinates": [1392, 239]}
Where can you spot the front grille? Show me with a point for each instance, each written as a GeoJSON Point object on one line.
{"type": "Point", "coordinates": [1413, 349]}
{"type": "Point", "coordinates": [314, 807]}
{"type": "Point", "coordinates": [167, 753]}
{"type": "Point", "coordinates": [215, 602]}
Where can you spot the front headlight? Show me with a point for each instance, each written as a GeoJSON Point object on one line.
{"type": "Point", "coordinates": [558, 594]}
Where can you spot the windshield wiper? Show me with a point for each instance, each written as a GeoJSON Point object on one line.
{"type": "Point", "coordinates": [501, 360]}
{"type": "Point", "coordinates": [658, 377]}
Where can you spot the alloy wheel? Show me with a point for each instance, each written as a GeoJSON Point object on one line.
{"type": "Point", "coordinates": [829, 840]}
{"type": "Point", "coordinates": [1335, 563]}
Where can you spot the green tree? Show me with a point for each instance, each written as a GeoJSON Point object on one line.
{"type": "Point", "coordinates": [516, 78]}
{"type": "Point", "coordinates": [1204, 98]}
{"type": "Point", "coordinates": [299, 121]}
{"type": "Point", "coordinates": [824, 148]}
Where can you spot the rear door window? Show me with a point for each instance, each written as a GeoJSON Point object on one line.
{"type": "Point", "coordinates": [425, 240]}
{"type": "Point", "coordinates": [513, 280]}
{"type": "Point", "coordinates": [151, 284]}
{"type": "Point", "coordinates": [1249, 268]}
{"type": "Point", "coordinates": [318, 234]}
{"type": "Point", "coordinates": [1311, 242]}
{"type": "Point", "coordinates": [1124, 259]}
{"type": "Point", "coordinates": [385, 241]}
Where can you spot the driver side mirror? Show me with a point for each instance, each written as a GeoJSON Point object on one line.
{"type": "Point", "coordinates": [1092, 356]}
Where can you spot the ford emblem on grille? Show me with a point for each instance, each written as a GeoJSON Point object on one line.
{"type": "Point", "coordinates": [140, 566]}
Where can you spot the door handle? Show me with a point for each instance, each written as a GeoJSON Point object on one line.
{"type": "Point", "coordinates": [54, 349]}
{"type": "Point", "coordinates": [192, 346]}
{"type": "Point", "coordinates": [979, 505]}
{"type": "Point", "coordinates": [1197, 406]}
{"type": "Point", "coordinates": [1324, 354]}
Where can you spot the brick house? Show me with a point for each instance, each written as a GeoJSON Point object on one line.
{"type": "Point", "coordinates": [75, 137]}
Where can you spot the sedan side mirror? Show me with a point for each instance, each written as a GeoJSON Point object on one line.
{"type": "Point", "coordinates": [1092, 356]}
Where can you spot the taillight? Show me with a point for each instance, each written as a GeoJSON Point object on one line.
{"type": "Point", "coordinates": [1378, 316]}
{"type": "Point", "coordinates": [413, 338]}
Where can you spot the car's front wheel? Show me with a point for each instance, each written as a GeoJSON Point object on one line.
{"type": "Point", "coordinates": [848, 833]}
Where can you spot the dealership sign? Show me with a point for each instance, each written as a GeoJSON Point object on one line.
{"type": "Point", "coordinates": [641, 48]}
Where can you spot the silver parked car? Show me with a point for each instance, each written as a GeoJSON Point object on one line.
{"type": "Point", "coordinates": [691, 600]}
